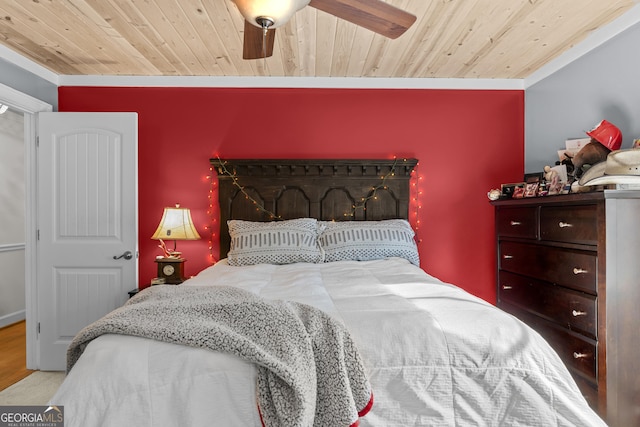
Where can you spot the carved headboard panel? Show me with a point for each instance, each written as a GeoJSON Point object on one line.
{"type": "Point", "coordinates": [322, 189]}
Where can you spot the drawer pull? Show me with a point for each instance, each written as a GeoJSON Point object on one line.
{"type": "Point", "coordinates": [506, 287]}
{"type": "Point", "coordinates": [514, 223]}
{"type": "Point", "coordinates": [507, 256]}
{"type": "Point", "coordinates": [577, 313]}
{"type": "Point", "coordinates": [577, 355]}
{"type": "Point", "coordinates": [577, 270]}
{"type": "Point", "coordinates": [562, 224]}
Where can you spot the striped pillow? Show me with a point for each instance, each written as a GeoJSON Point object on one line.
{"type": "Point", "coordinates": [368, 240]}
{"type": "Point", "coordinates": [279, 242]}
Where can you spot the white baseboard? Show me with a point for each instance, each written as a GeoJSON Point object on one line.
{"type": "Point", "coordinates": [12, 318]}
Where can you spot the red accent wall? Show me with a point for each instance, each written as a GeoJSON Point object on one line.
{"type": "Point", "coordinates": [466, 141]}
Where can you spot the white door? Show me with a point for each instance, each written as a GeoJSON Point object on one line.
{"type": "Point", "coordinates": [86, 217]}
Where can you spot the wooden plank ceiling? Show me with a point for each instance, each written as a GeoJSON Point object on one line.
{"type": "Point", "coordinates": [450, 39]}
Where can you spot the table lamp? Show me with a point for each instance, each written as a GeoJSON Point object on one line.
{"type": "Point", "coordinates": [176, 224]}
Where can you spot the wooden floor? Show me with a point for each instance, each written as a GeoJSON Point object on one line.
{"type": "Point", "coordinates": [13, 354]}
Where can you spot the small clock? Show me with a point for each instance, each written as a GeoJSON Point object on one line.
{"type": "Point", "coordinates": [171, 270]}
{"type": "Point", "coordinates": [168, 270]}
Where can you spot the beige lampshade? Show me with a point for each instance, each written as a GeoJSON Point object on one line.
{"type": "Point", "coordinates": [176, 224]}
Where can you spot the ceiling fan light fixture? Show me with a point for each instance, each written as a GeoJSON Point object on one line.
{"type": "Point", "coordinates": [276, 11]}
{"type": "Point", "coordinates": [264, 22]}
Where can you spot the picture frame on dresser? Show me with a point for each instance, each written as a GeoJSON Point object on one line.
{"type": "Point", "coordinates": [533, 177]}
{"type": "Point", "coordinates": [507, 189]}
{"type": "Point", "coordinates": [531, 189]}
{"type": "Point", "coordinates": [518, 191]}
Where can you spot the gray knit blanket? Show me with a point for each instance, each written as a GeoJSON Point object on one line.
{"type": "Point", "coordinates": [309, 369]}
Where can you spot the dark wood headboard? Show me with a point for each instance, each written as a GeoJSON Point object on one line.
{"type": "Point", "coordinates": [266, 190]}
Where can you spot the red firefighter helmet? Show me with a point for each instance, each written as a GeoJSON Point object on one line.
{"type": "Point", "coordinates": [607, 134]}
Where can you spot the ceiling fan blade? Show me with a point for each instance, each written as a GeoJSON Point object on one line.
{"type": "Point", "coordinates": [253, 47]}
{"type": "Point", "coordinates": [374, 15]}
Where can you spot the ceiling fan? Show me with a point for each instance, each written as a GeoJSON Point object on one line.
{"type": "Point", "coordinates": [262, 17]}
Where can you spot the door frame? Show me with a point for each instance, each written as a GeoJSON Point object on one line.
{"type": "Point", "coordinates": [30, 107]}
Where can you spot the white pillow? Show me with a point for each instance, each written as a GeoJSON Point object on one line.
{"type": "Point", "coordinates": [278, 242]}
{"type": "Point", "coordinates": [368, 240]}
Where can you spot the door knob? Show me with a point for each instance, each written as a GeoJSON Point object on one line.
{"type": "Point", "coordinates": [126, 255]}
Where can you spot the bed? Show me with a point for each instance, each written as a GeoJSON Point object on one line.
{"type": "Point", "coordinates": [410, 349]}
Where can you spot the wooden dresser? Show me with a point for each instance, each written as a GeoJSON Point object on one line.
{"type": "Point", "coordinates": [569, 266]}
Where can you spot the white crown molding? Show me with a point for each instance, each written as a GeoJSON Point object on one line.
{"type": "Point", "coordinates": [28, 65]}
{"type": "Point", "coordinates": [254, 82]}
{"type": "Point", "coordinates": [592, 41]}
{"type": "Point", "coordinates": [292, 82]}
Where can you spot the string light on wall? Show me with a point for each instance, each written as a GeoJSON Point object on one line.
{"type": "Point", "coordinates": [362, 204]}
{"type": "Point", "coordinates": [373, 194]}
{"type": "Point", "coordinates": [259, 206]}
{"type": "Point", "coordinates": [416, 197]}
{"type": "Point", "coordinates": [212, 212]}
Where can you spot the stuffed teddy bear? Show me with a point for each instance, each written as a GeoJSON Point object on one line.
{"type": "Point", "coordinates": [605, 137]}
{"type": "Point", "coordinates": [592, 153]}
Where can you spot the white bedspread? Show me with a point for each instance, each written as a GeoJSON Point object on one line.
{"type": "Point", "coordinates": [436, 355]}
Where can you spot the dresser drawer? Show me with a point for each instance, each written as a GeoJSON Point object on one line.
{"type": "Point", "coordinates": [589, 390]}
{"type": "Point", "coordinates": [583, 369]}
{"type": "Point", "coordinates": [575, 224]}
{"type": "Point", "coordinates": [572, 268]}
{"type": "Point", "coordinates": [517, 222]}
{"type": "Point", "coordinates": [567, 308]}
{"type": "Point", "coordinates": [577, 352]}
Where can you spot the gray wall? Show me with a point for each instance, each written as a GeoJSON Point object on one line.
{"type": "Point", "coordinates": [12, 213]}
{"type": "Point", "coordinates": [12, 186]}
{"type": "Point", "coordinates": [603, 84]}
{"type": "Point", "coordinates": [26, 82]}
